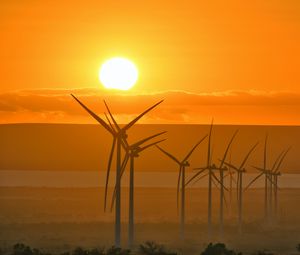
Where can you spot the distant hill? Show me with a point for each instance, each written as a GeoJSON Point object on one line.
{"type": "Point", "coordinates": [76, 147]}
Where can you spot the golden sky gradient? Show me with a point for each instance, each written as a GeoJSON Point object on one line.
{"type": "Point", "coordinates": [207, 50]}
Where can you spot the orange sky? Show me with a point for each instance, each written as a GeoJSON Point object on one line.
{"type": "Point", "coordinates": [198, 47]}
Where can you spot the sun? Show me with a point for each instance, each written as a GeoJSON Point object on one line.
{"type": "Point", "coordinates": [118, 73]}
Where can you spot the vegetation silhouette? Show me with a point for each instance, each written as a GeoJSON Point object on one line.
{"type": "Point", "coordinates": [218, 249]}
{"type": "Point", "coordinates": [22, 249]}
{"type": "Point", "coordinates": [264, 252]}
{"type": "Point", "coordinates": [147, 248]}
{"type": "Point", "coordinates": [152, 248]}
{"type": "Point", "coordinates": [81, 251]}
{"type": "Point", "coordinates": [117, 251]}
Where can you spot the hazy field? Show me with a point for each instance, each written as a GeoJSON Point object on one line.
{"type": "Point", "coordinates": [57, 219]}
{"type": "Point", "coordinates": [66, 147]}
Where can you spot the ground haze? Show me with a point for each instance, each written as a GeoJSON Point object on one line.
{"type": "Point", "coordinates": [60, 218]}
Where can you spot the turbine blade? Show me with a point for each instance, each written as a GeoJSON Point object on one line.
{"type": "Point", "coordinates": [209, 143]}
{"type": "Point", "coordinates": [123, 167]}
{"type": "Point", "coordinates": [192, 150]}
{"type": "Point", "coordinates": [216, 178]}
{"type": "Point", "coordinates": [178, 187]}
{"type": "Point", "coordinates": [150, 145]}
{"type": "Point", "coordinates": [254, 180]}
{"type": "Point", "coordinates": [94, 115]}
{"type": "Point", "coordinates": [260, 169]}
{"type": "Point", "coordinates": [111, 116]}
{"type": "Point", "coordinates": [113, 200]}
{"type": "Point", "coordinates": [111, 126]}
{"type": "Point", "coordinates": [237, 187]}
{"type": "Point", "coordinates": [124, 142]}
{"type": "Point", "coordinates": [124, 163]}
{"type": "Point", "coordinates": [169, 155]}
{"type": "Point", "coordinates": [197, 174]}
{"type": "Point", "coordinates": [211, 154]}
{"type": "Point", "coordinates": [146, 139]}
{"type": "Point", "coordinates": [227, 149]}
{"type": "Point", "coordinates": [112, 205]}
{"type": "Point", "coordinates": [201, 177]}
{"type": "Point", "coordinates": [130, 124]}
{"type": "Point", "coordinates": [265, 152]}
{"type": "Point", "coordinates": [281, 160]}
{"type": "Point", "coordinates": [230, 165]}
{"type": "Point", "coordinates": [277, 160]}
{"type": "Point", "coordinates": [108, 171]}
{"type": "Point", "coordinates": [214, 183]}
{"type": "Point", "coordinates": [247, 156]}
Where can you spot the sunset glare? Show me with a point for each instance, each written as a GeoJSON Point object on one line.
{"type": "Point", "coordinates": [118, 73]}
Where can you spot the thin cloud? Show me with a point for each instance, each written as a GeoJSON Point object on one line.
{"type": "Point", "coordinates": [56, 105]}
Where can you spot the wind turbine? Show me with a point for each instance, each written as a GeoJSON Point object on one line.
{"type": "Point", "coordinates": [232, 180]}
{"type": "Point", "coordinates": [211, 177]}
{"type": "Point", "coordinates": [240, 171]}
{"type": "Point", "coordinates": [273, 175]}
{"type": "Point", "coordinates": [181, 177]}
{"type": "Point", "coordinates": [276, 173]}
{"type": "Point", "coordinates": [221, 170]}
{"type": "Point", "coordinates": [119, 138]}
{"type": "Point", "coordinates": [132, 152]}
{"type": "Point", "coordinates": [268, 182]}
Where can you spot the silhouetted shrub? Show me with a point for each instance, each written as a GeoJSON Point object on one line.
{"type": "Point", "coordinates": [65, 253]}
{"type": "Point", "coordinates": [96, 251]}
{"type": "Point", "coordinates": [218, 249]}
{"type": "Point", "coordinates": [21, 249]}
{"type": "Point", "coordinates": [117, 251]}
{"type": "Point", "coordinates": [263, 253]}
{"type": "Point", "coordinates": [81, 251]}
{"type": "Point", "coordinates": [298, 247]}
{"type": "Point", "coordinates": [152, 248]}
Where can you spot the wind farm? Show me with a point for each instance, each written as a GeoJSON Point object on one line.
{"type": "Point", "coordinates": [153, 211]}
{"type": "Point", "coordinates": [216, 155]}
{"type": "Point", "coordinates": [149, 127]}
{"type": "Point", "coordinates": [132, 151]}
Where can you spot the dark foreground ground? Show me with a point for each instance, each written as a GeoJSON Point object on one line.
{"type": "Point", "coordinates": [61, 219]}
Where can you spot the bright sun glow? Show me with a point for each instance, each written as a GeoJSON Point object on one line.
{"type": "Point", "coordinates": [118, 73]}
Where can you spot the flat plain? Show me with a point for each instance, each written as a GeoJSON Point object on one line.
{"type": "Point", "coordinates": [57, 219]}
